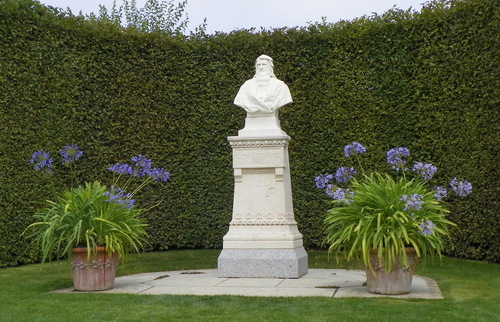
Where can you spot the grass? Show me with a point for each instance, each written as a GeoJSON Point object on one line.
{"type": "Point", "coordinates": [471, 291]}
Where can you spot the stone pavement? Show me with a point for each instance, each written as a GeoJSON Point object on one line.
{"type": "Point", "coordinates": [334, 283]}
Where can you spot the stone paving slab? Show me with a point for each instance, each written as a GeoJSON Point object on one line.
{"type": "Point", "coordinates": [333, 283]}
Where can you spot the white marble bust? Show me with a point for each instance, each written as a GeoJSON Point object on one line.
{"type": "Point", "coordinates": [264, 92]}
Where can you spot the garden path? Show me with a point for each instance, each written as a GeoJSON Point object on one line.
{"type": "Point", "coordinates": [334, 283]}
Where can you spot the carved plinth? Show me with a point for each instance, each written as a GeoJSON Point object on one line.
{"type": "Point", "coordinates": [263, 239]}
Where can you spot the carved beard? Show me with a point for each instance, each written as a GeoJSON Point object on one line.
{"type": "Point", "coordinates": [262, 83]}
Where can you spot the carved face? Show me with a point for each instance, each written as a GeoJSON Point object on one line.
{"type": "Point", "coordinates": [263, 67]}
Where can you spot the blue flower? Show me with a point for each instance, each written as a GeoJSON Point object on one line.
{"type": "Point", "coordinates": [159, 174]}
{"type": "Point", "coordinates": [461, 187]}
{"type": "Point", "coordinates": [344, 174]}
{"type": "Point", "coordinates": [395, 157]}
{"type": "Point", "coordinates": [330, 190]}
{"type": "Point", "coordinates": [120, 168]}
{"type": "Point", "coordinates": [413, 202]}
{"type": "Point", "coordinates": [42, 160]}
{"type": "Point", "coordinates": [440, 193]}
{"type": "Point", "coordinates": [337, 193]}
{"type": "Point", "coordinates": [322, 180]}
{"type": "Point", "coordinates": [426, 170]}
{"type": "Point", "coordinates": [142, 166]}
{"type": "Point", "coordinates": [343, 194]}
{"type": "Point", "coordinates": [118, 196]}
{"type": "Point", "coordinates": [353, 149]}
{"type": "Point", "coordinates": [70, 153]}
{"type": "Point", "coordinates": [427, 227]}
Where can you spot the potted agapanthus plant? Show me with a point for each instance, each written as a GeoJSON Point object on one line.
{"type": "Point", "coordinates": [93, 223]}
{"type": "Point", "coordinates": [389, 220]}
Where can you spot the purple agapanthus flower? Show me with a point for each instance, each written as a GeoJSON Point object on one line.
{"type": "Point", "coordinates": [395, 157]}
{"type": "Point", "coordinates": [426, 170]}
{"type": "Point", "coordinates": [344, 174]}
{"type": "Point", "coordinates": [118, 196]}
{"type": "Point", "coordinates": [159, 174]}
{"type": "Point", "coordinates": [121, 168]}
{"type": "Point", "coordinates": [142, 166]}
{"type": "Point", "coordinates": [426, 227]}
{"type": "Point", "coordinates": [330, 190]}
{"type": "Point", "coordinates": [322, 180]}
{"type": "Point", "coordinates": [353, 149]}
{"type": "Point", "coordinates": [440, 193]}
{"type": "Point", "coordinates": [70, 153]}
{"type": "Point", "coordinates": [42, 161]}
{"type": "Point", "coordinates": [342, 194]}
{"type": "Point", "coordinates": [412, 202]}
{"type": "Point", "coordinates": [461, 187]}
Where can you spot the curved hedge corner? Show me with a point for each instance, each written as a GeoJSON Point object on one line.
{"type": "Point", "coordinates": [424, 80]}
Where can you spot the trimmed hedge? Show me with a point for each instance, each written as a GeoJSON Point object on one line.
{"type": "Point", "coordinates": [426, 80]}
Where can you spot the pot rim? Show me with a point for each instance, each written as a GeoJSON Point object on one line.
{"type": "Point", "coordinates": [84, 250]}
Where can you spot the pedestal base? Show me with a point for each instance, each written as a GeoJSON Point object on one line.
{"type": "Point", "coordinates": [263, 240]}
{"type": "Point", "coordinates": [270, 263]}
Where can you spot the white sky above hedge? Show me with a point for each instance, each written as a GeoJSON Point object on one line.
{"type": "Point", "coordinates": [228, 15]}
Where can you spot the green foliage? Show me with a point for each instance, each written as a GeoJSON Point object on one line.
{"type": "Point", "coordinates": [375, 219]}
{"type": "Point", "coordinates": [425, 80]}
{"type": "Point", "coordinates": [82, 217]}
{"type": "Point", "coordinates": [156, 15]}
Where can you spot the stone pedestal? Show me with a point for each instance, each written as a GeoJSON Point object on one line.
{"type": "Point", "coordinates": [263, 239]}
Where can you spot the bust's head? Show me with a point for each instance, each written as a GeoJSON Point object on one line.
{"type": "Point", "coordinates": [264, 66]}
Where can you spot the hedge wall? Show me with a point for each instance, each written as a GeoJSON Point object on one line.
{"type": "Point", "coordinates": [426, 80]}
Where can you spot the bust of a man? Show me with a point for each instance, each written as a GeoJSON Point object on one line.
{"type": "Point", "coordinates": [264, 92]}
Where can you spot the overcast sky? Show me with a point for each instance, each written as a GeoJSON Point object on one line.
{"type": "Point", "coordinates": [228, 15]}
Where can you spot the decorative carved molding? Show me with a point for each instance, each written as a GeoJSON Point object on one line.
{"type": "Point", "coordinates": [95, 264]}
{"type": "Point", "coordinates": [263, 220]}
{"type": "Point", "coordinates": [259, 143]}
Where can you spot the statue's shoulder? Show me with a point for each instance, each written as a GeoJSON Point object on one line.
{"type": "Point", "coordinates": [248, 83]}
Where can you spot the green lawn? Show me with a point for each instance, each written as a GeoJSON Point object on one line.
{"type": "Point", "coordinates": [471, 291]}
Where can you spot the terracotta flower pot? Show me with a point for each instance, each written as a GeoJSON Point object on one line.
{"type": "Point", "coordinates": [94, 274]}
{"type": "Point", "coordinates": [397, 282]}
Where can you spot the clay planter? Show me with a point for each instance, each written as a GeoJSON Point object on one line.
{"type": "Point", "coordinates": [397, 282]}
{"type": "Point", "coordinates": [96, 274]}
